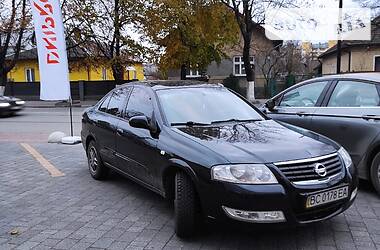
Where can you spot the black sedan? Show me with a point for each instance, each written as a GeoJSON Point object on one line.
{"type": "Point", "coordinates": [10, 105]}
{"type": "Point", "coordinates": [344, 108]}
{"type": "Point", "coordinates": [216, 155]}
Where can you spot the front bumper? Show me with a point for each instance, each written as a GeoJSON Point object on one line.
{"type": "Point", "coordinates": [284, 197]}
{"type": "Point", "coordinates": [13, 108]}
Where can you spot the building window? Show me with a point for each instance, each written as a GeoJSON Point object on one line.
{"type": "Point", "coordinates": [104, 73]}
{"type": "Point", "coordinates": [192, 73]}
{"type": "Point", "coordinates": [239, 69]}
{"type": "Point", "coordinates": [29, 75]}
{"type": "Point", "coordinates": [131, 72]}
{"type": "Point", "coordinates": [376, 63]}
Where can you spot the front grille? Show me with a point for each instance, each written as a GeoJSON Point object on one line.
{"type": "Point", "coordinates": [304, 170]}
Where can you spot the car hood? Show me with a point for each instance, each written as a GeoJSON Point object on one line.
{"type": "Point", "coordinates": [259, 142]}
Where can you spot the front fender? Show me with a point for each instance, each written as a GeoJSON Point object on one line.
{"type": "Point", "coordinates": [184, 166]}
{"type": "Point", "coordinates": [366, 161]}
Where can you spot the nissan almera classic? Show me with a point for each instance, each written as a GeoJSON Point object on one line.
{"type": "Point", "coordinates": [216, 155]}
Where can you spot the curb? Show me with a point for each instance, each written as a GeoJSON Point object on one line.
{"type": "Point", "coordinates": [41, 104]}
{"type": "Point", "coordinates": [45, 106]}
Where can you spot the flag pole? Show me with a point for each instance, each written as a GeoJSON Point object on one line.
{"type": "Point", "coordinates": [71, 116]}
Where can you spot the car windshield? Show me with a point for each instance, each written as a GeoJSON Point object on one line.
{"type": "Point", "coordinates": [202, 106]}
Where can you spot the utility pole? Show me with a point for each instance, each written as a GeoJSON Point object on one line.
{"type": "Point", "coordinates": [339, 44]}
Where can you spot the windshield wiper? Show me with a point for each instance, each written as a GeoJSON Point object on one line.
{"type": "Point", "coordinates": [189, 124]}
{"type": "Point", "coordinates": [236, 120]}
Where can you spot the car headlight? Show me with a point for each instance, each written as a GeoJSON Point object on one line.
{"type": "Point", "coordinates": [20, 102]}
{"type": "Point", "coordinates": [345, 157]}
{"type": "Point", "coordinates": [243, 174]}
{"type": "Point", "coordinates": [4, 105]}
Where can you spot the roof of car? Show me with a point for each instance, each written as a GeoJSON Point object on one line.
{"type": "Point", "coordinates": [165, 84]}
{"type": "Point", "coordinates": [369, 76]}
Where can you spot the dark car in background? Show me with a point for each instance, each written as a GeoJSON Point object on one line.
{"type": "Point", "coordinates": [216, 155]}
{"type": "Point", "coordinates": [10, 105]}
{"type": "Point", "coordinates": [344, 108]}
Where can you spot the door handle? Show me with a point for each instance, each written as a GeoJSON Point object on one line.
{"type": "Point", "coordinates": [371, 117]}
{"type": "Point", "coordinates": [119, 131]}
{"type": "Point", "coordinates": [301, 113]}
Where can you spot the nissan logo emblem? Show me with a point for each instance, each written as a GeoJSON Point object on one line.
{"type": "Point", "coordinates": [320, 169]}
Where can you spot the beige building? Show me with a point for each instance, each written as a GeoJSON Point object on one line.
{"type": "Point", "coordinates": [357, 56]}
{"type": "Point", "coordinates": [316, 49]}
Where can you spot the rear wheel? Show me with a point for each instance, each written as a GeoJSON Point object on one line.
{"type": "Point", "coordinates": [97, 169]}
{"type": "Point", "coordinates": [375, 172]}
{"type": "Point", "coordinates": [186, 206]}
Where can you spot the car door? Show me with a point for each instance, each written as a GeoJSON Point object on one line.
{"type": "Point", "coordinates": [350, 115]}
{"type": "Point", "coordinates": [298, 104]}
{"type": "Point", "coordinates": [136, 147]}
{"type": "Point", "coordinates": [108, 117]}
{"type": "Point", "coordinates": [103, 130]}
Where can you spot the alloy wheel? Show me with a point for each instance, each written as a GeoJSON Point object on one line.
{"type": "Point", "coordinates": [93, 159]}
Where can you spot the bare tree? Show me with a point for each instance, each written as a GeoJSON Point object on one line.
{"type": "Point", "coordinates": [272, 64]}
{"type": "Point", "coordinates": [102, 29]}
{"type": "Point", "coordinates": [249, 15]}
{"type": "Point", "coordinates": [287, 60]}
{"type": "Point", "coordinates": [14, 19]}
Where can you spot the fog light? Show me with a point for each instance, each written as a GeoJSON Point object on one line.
{"type": "Point", "coordinates": [353, 194]}
{"type": "Point", "coordinates": [20, 102]}
{"type": "Point", "coordinates": [255, 216]}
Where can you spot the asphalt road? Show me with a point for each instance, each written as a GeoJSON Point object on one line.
{"type": "Point", "coordinates": [36, 124]}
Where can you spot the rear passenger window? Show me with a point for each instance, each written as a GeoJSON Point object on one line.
{"type": "Point", "coordinates": [354, 94]}
{"type": "Point", "coordinates": [104, 105]}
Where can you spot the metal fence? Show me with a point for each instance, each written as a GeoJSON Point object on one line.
{"type": "Point", "coordinates": [265, 88]}
{"type": "Point", "coordinates": [80, 90]}
{"type": "Point", "coordinates": [94, 90]}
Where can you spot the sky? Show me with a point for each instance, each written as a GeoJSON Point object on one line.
{"type": "Point", "coordinates": [302, 3]}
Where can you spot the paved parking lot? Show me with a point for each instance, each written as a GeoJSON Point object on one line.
{"type": "Point", "coordinates": [76, 212]}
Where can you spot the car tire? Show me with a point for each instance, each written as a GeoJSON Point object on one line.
{"type": "Point", "coordinates": [375, 172]}
{"type": "Point", "coordinates": [186, 206]}
{"type": "Point", "coordinates": [95, 164]}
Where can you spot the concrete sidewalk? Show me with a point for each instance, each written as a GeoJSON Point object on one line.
{"type": "Point", "coordinates": [76, 212]}
{"type": "Point", "coordinates": [55, 104]}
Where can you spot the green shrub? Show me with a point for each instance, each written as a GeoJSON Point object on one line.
{"type": "Point", "coordinates": [232, 82]}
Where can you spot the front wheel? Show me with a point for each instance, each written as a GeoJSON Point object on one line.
{"type": "Point", "coordinates": [97, 169]}
{"type": "Point", "coordinates": [186, 206]}
{"type": "Point", "coordinates": [375, 172]}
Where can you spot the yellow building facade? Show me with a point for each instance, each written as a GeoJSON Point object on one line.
{"type": "Point", "coordinates": [26, 70]}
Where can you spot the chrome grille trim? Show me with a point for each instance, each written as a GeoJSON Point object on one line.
{"type": "Point", "coordinates": [315, 182]}
{"type": "Point", "coordinates": [302, 172]}
{"type": "Point", "coordinates": [305, 160]}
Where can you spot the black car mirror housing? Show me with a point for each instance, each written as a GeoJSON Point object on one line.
{"type": "Point", "coordinates": [270, 104]}
{"type": "Point", "coordinates": [139, 121]}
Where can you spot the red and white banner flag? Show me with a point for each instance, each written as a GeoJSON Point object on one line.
{"type": "Point", "coordinates": [51, 46]}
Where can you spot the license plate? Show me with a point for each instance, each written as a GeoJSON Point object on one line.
{"type": "Point", "coordinates": [327, 197]}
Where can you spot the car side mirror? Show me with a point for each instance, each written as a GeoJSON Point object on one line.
{"type": "Point", "coordinates": [270, 104]}
{"type": "Point", "coordinates": [140, 121]}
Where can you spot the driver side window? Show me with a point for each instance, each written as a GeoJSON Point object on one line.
{"type": "Point", "coordinates": [303, 96]}
{"type": "Point", "coordinates": [140, 103]}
